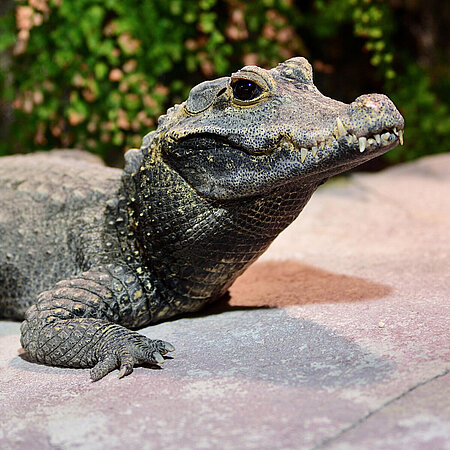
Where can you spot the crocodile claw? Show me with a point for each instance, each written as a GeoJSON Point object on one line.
{"type": "Point", "coordinates": [128, 351]}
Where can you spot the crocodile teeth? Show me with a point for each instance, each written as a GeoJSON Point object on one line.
{"type": "Point", "coordinates": [304, 153]}
{"type": "Point", "coordinates": [339, 129]}
{"type": "Point", "coordinates": [362, 143]}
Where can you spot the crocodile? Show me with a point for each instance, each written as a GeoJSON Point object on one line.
{"type": "Point", "coordinates": [89, 254]}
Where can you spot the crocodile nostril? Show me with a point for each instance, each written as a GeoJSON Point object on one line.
{"type": "Point", "coordinates": [371, 104]}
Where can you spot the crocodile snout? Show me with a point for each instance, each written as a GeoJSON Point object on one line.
{"type": "Point", "coordinates": [373, 114]}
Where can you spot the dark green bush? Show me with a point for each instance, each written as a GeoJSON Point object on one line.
{"type": "Point", "coordinates": [96, 74]}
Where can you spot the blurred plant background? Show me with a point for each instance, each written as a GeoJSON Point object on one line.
{"type": "Point", "coordinates": [96, 74]}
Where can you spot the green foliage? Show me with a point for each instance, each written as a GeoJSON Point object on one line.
{"type": "Point", "coordinates": [371, 21]}
{"type": "Point", "coordinates": [427, 129]}
{"type": "Point", "coordinates": [96, 74]}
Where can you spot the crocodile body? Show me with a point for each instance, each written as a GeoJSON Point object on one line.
{"type": "Point", "coordinates": [89, 253]}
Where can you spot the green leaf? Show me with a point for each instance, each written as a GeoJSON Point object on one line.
{"type": "Point", "coordinates": [101, 70]}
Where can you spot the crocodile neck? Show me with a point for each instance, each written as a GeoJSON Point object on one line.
{"type": "Point", "coordinates": [196, 246]}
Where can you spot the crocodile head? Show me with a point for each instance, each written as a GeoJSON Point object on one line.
{"type": "Point", "coordinates": [230, 168]}
{"type": "Point", "coordinates": [259, 129]}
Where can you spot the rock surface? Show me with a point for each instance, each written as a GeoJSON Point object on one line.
{"type": "Point", "coordinates": [337, 338]}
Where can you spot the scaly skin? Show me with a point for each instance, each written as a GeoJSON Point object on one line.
{"type": "Point", "coordinates": [93, 252]}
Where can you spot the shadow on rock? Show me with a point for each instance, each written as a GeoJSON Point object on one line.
{"type": "Point", "coordinates": [270, 345]}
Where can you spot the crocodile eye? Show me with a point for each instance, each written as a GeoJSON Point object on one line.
{"type": "Point", "coordinates": [245, 90]}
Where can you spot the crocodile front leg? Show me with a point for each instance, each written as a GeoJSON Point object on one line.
{"type": "Point", "coordinates": [77, 323]}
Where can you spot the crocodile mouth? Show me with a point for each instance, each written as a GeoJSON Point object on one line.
{"type": "Point", "coordinates": [317, 137]}
{"type": "Point", "coordinates": [342, 150]}
{"type": "Point", "coordinates": [375, 144]}
{"type": "Point", "coordinates": [231, 169]}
